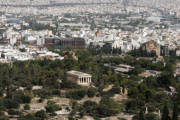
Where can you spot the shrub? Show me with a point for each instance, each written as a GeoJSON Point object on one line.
{"type": "Point", "coordinates": [77, 94]}
{"type": "Point", "coordinates": [115, 90]}
{"type": "Point", "coordinates": [55, 92]}
{"type": "Point", "coordinates": [27, 117]}
{"type": "Point", "coordinates": [69, 84]}
{"type": "Point", "coordinates": [121, 119]}
{"type": "Point", "coordinates": [89, 107]}
{"type": "Point", "coordinates": [108, 107]}
{"type": "Point", "coordinates": [41, 114]}
{"type": "Point", "coordinates": [21, 98]}
{"type": "Point", "coordinates": [26, 107]}
{"type": "Point", "coordinates": [52, 107]}
{"type": "Point", "coordinates": [13, 112]}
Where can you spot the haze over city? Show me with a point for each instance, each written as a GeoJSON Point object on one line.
{"type": "Point", "coordinates": [89, 60]}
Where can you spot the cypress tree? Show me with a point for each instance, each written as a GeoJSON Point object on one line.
{"type": "Point", "coordinates": [141, 115]}
{"type": "Point", "coordinates": [175, 112]}
{"type": "Point", "coordinates": [165, 114]}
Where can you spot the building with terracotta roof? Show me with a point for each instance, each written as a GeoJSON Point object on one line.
{"type": "Point", "coordinates": [149, 73]}
{"type": "Point", "coordinates": [152, 46]}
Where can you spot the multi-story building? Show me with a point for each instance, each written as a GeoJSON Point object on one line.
{"type": "Point", "coordinates": [165, 50]}
{"type": "Point", "coordinates": [65, 42]}
{"type": "Point", "coordinates": [3, 40]}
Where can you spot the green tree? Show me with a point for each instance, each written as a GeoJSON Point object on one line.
{"type": "Point", "coordinates": [26, 107]}
{"type": "Point", "coordinates": [52, 107]}
{"type": "Point", "coordinates": [90, 107]}
{"type": "Point", "coordinates": [8, 103]}
{"type": "Point", "coordinates": [76, 94]}
{"type": "Point", "coordinates": [141, 115]}
{"type": "Point", "coordinates": [91, 92]}
{"type": "Point", "coordinates": [166, 78]}
{"type": "Point", "coordinates": [41, 115]}
{"type": "Point", "coordinates": [148, 95]}
{"type": "Point", "coordinates": [133, 92]}
{"type": "Point", "coordinates": [115, 90]}
{"type": "Point", "coordinates": [175, 112]}
{"type": "Point", "coordinates": [165, 114]}
{"type": "Point", "coordinates": [108, 107]}
{"type": "Point", "coordinates": [21, 98]}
